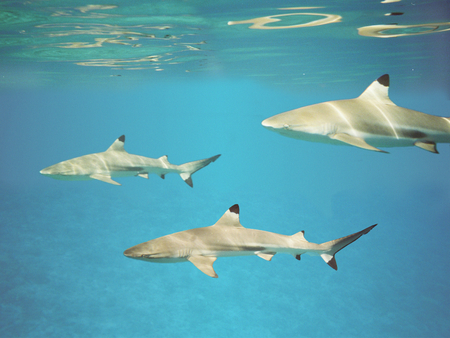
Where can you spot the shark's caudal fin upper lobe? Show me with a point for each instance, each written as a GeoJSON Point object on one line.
{"type": "Point", "coordinates": [189, 168]}
{"type": "Point", "coordinates": [332, 247]}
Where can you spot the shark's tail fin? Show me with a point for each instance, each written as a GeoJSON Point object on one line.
{"type": "Point", "coordinates": [189, 168]}
{"type": "Point", "coordinates": [332, 247]}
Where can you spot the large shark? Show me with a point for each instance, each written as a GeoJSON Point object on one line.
{"type": "Point", "coordinates": [227, 238]}
{"type": "Point", "coordinates": [116, 162]}
{"type": "Point", "coordinates": [369, 121]}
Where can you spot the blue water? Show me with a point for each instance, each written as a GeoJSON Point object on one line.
{"type": "Point", "coordinates": [63, 273]}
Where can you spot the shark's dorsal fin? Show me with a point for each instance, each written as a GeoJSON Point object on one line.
{"type": "Point", "coordinates": [299, 236]}
{"type": "Point", "coordinates": [230, 218]}
{"type": "Point", "coordinates": [378, 91]}
{"type": "Point", "coordinates": [118, 144]}
{"type": "Point", "coordinates": [164, 159]}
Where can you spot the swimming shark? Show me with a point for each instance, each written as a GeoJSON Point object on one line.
{"type": "Point", "coordinates": [116, 162]}
{"type": "Point", "coordinates": [202, 246]}
{"type": "Point", "coordinates": [369, 121]}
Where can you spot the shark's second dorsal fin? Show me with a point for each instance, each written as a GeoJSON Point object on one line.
{"type": "Point", "coordinates": [118, 144]}
{"type": "Point", "coordinates": [230, 218]}
{"type": "Point", "coordinates": [299, 236]}
{"type": "Point", "coordinates": [378, 91]}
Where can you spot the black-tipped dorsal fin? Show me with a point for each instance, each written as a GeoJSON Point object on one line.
{"type": "Point", "coordinates": [118, 144]}
{"type": "Point", "coordinates": [230, 218]}
{"type": "Point", "coordinates": [378, 90]}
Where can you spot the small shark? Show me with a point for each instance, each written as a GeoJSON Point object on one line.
{"type": "Point", "coordinates": [369, 121]}
{"type": "Point", "coordinates": [116, 162]}
{"type": "Point", "coordinates": [228, 238]}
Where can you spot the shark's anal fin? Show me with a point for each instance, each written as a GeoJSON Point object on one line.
{"type": "Point", "coordinates": [265, 255]}
{"type": "Point", "coordinates": [104, 178]}
{"type": "Point", "coordinates": [354, 141]}
{"type": "Point", "coordinates": [427, 145]}
{"type": "Point", "coordinates": [144, 175]}
{"type": "Point", "coordinates": [204, 264]}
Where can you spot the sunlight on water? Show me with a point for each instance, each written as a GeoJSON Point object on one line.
{"type": "Point", "coordinates": [393, 31]}
{"type": "Point", "coordinates": [310, 20]}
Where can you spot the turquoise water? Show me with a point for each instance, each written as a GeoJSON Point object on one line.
{"type": "Point", "coordinates": [129, 70]}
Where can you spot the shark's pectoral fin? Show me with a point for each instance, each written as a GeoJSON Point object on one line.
{"type": "Point", "coordinates": [204, 264]}
{"type": "Point", "coordinates": [104, 178]}
{"type": "Point", "coordinates": [266, 255]}
{"type": "Point", "coordinates": [427, 145]}
{"type": "Point", "coordinates": [144, 175]}
{"type": "Point", "coordinates": [354, 141]}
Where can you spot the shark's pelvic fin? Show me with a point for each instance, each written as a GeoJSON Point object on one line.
{"type": "Point", "coordinates": [427, 145]}
{"type": "Point", "coordinates": [354, 141]}
{"type": "Point", "coordinates": [144, 175]}
{"type": "Point", "coordinates": [265, 255]}
{"type": "Point", "coordinates": [230, 218]}
{"type": "Point", "coordinates": [118, 144]}
{"type": "Point", "coordinates": [378, 91]}
{"type": "Point", "coordinates": [104, 178]}
{"type": "Point", "coordinates": [333, 247]}
{"type": "Point", "coordinates": [204, 264]}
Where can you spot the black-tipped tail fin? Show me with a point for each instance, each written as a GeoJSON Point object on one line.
{"type": "Point", "coordinates": [333, 247]}
{"type": "Point", "coordinates": [191, 167]}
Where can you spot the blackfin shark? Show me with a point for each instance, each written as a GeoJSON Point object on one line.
{"type": "Point", "coordinates": [116, 162]}
{"type": "Point", "coordinates": [228, 238]}
{"type": "Point", "coordinates": [369, 121]}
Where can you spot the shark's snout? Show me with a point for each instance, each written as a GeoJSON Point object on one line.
{"type": "Point", "coordinates": [267, 123]}
{"type": "Point", "coordinates": [275, 124]}
{"type": "Point", "coordinates": [129, 253]}
{"type": "Point", "coordinates": [45, 171]}
{"type": "Point", "coordinates": [134, 252]}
